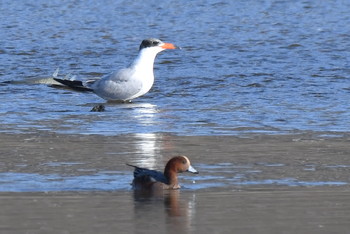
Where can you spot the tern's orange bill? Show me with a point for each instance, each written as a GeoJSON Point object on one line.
{"type": "Point", "coordinates": [168, 46]}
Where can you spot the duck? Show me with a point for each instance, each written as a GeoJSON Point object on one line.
{"type": "Point", "coordinates": [146, 179]}
{"type": "Point", "coordinates": [127, 83]}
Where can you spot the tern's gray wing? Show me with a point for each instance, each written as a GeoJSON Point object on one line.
{"type": "Point", "coordinates": [117, 86]}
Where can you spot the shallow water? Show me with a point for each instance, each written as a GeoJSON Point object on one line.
{"type": "Point", "coordinates": [267, 67]}
{"type": "Point", "coordinates": [32, 163]}
{"type": "Point", "coordinates": [262, 184]}
{"type": "Point", "coordinates": [177, 212]}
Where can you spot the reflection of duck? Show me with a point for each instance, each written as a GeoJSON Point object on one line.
{"type": "Point", "coordinates": [164, 207]}
{"type": "Point", "coordinates": [146, 179]}
{"type": "Point", "coordinates": [171, 202]}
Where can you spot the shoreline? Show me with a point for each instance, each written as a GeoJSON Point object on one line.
{"type": "Point", "coordinates": [303, 134]}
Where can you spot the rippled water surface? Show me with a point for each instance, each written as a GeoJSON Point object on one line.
{"type": "Point", "coordinates": [271, 66]}
{"type": "Point", "coordinates": [258, 99]}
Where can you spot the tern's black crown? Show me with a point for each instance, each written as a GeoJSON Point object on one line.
{"type": "Point", "coordinates": [150, 43]}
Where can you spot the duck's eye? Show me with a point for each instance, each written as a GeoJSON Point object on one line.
{"type": "Point", "coordinates": [184, 162]}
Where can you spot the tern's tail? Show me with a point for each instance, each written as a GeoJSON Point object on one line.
{"type": "Point", "coordinates": [73, 84]}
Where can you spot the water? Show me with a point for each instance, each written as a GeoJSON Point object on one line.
{"type": "Point", "coordinates": [178, 213]}
{"type": "Point", "coordinates": [60, 183]}
{"type": "Point", "coordinates": [51, 163]}
{"type": "Point", "coordinates": [257, 98]}
{"type": "Point", "coordinates": [267, 67]}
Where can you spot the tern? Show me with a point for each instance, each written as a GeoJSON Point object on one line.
{"type": "Point", "coordinates": [127, 83]}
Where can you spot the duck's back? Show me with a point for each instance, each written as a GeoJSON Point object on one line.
{"type": "Point", "coordinates": [145, 178]}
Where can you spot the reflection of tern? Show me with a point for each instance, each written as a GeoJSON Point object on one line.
{"type": "Point", "coordinates": [127, 83]}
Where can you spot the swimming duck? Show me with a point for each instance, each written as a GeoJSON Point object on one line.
{"type": "Point", "coordinates": [146, 179]}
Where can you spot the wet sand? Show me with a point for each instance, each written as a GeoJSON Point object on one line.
{"type": "Point", "coordinates": [253, 184]}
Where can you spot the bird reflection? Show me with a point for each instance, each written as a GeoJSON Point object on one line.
{"type": "Point", "coordinates": [147, 146]}
{"type": "Point", "coordinates": [170, 199]}
{"type": "Point", "coordinates": [164, 208]}
{"type": "Point", "coordinates": [172, 204]}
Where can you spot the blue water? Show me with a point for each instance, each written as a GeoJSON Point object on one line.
{"type": "Point", "coordinates": [246, 66]}
{"type": "Point", "coordinates": [217, 176]}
